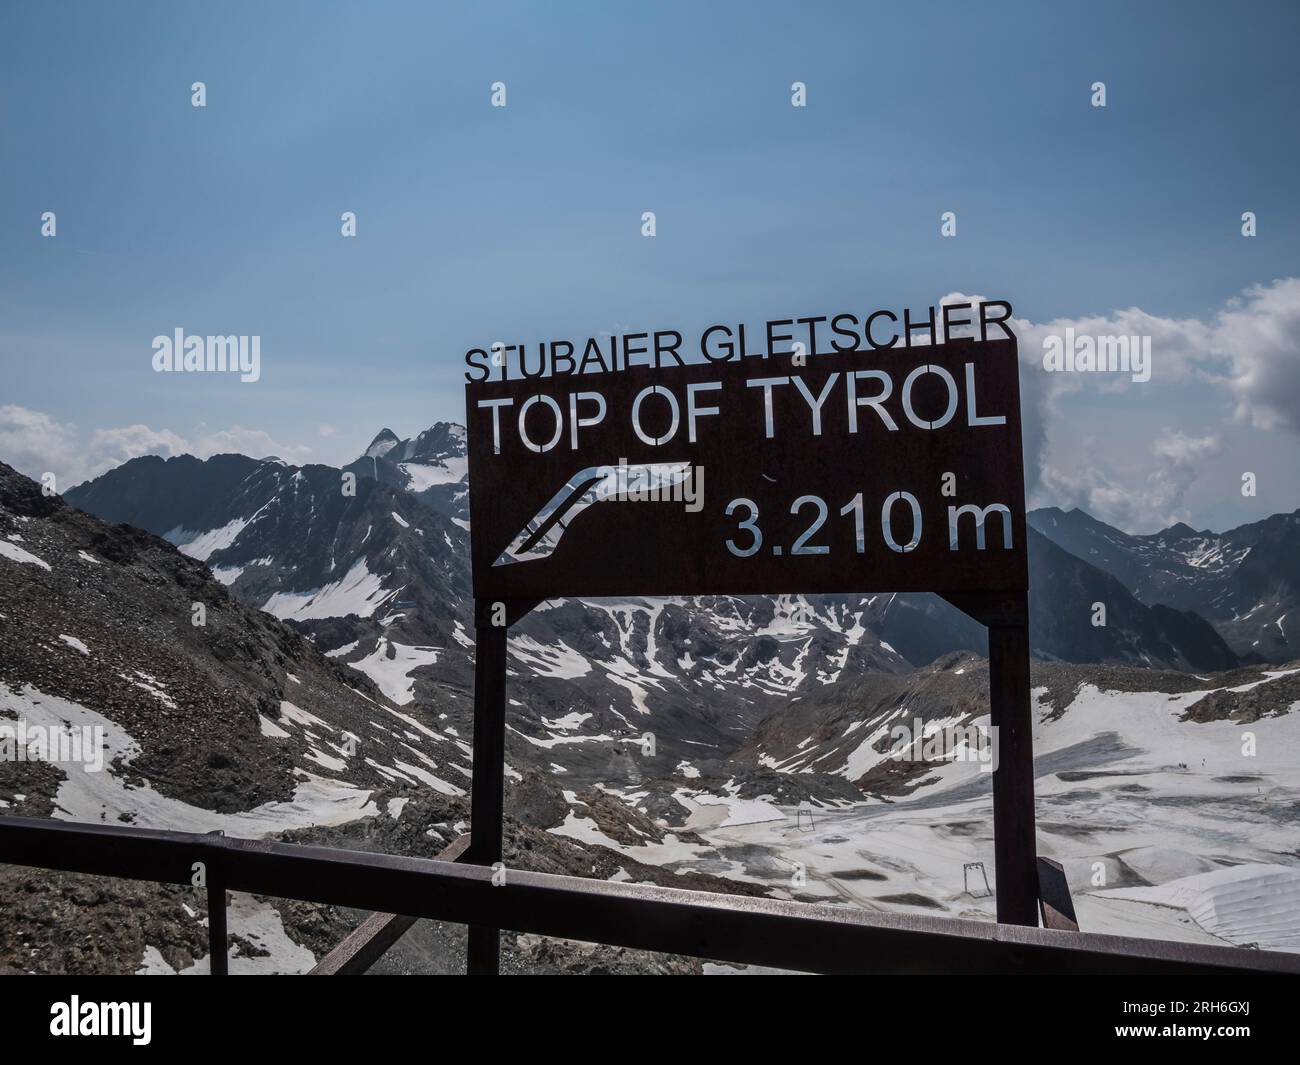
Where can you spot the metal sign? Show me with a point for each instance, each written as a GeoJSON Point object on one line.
{"type": "Point", "coordinates": [896, 469]}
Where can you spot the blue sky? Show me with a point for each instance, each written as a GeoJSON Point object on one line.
{"type": "Point", "coordinates": [478, 223]}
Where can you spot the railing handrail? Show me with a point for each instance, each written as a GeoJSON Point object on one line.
{"type": "Point", "coordinates": [738, 929]}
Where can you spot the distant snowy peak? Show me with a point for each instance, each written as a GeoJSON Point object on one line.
{"type": "Point", "coordinates": [442, 441]}
{"type": "Point", "coordinates": [382, 444]}
{"type": "Point", "coordinates": [437, 456]}
{"type": "Point", "coordinates": [433, 466]}
{"type": "Point", "coordinates": [435, 446]}
{"type": "Point", "coordinates": [292, 540]}
{"type": "Point", "coordinates": [1245, 581]}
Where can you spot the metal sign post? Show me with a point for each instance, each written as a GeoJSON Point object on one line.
{"type": "Point", "coordinates": [487, 785]}
{"type": "Point", "coordinates": [839, 472]}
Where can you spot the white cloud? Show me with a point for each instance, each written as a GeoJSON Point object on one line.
{"type": "Point", "coordinates": [1250, 348]}
{"type": "Point", "coordinates": [256, 443]}
{"type": "Point", "coordinates": [33, 443]}
{"type": "Point", "coordinates": [1088, 488]}
{"type": "Point", "coordinates": [1248, 353]}
{"type": "Point", "coordinates": [1182, 455]}
{"type": "Point", "coordinates": [1259, 334]}
{"type": "Point", "coordinates": [112, 447]}
{"type": "Point", "coordinates": [1155, 502]}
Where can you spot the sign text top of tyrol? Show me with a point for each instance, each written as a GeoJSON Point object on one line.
{"type": "Point", "coordinates": [895, 469]}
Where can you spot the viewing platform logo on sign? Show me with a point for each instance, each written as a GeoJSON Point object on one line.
{"type": "Point", "coordinates": [881, 469]}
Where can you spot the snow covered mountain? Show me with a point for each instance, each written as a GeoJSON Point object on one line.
{"type": "Point", "coordinates": [226, 718]}
{"type": "Point", "coordinates": [381, 578]}
{"type": "Point", "coordinates": [380, 581]}
{"type": "Point", "coordinates": [678, 739]}
{"type": "Point", "coordinates": [1166, 824]}
{"type": "Point", "coordinates": [913, 628]}
{"type": "Point", "coordinates": [434, 467]}
{"type": "Point", "coordinates": [1063, 592]}
{"type": "Point", "coordinates": [1245, 582]}
{"type": "Point", "coordinates": [300, 543]}
{"type": "Point", "coordinates": [219, 705]}
{"type": "Point", "coordinates": [377, 576]}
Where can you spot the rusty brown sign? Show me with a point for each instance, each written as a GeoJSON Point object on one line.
{"type": "Point", "coordinates": [883, 469]}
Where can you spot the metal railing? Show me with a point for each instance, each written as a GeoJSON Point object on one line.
{"type": "Point", "coordinates": [727, 928]}
{"type": "Point", "coordinates": [370, 940]}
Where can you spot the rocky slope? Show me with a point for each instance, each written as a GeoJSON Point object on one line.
{"type": "Point", "coordinates": [1245, 582]}
{"type": "Point", "coordinates": [650, 696]}
{"type": "Point", "coordinates": [642, 732]}
{"type": "Point", "coordinates": [849, 732]}
{"type": "Point", "coordinates": [236, 723]}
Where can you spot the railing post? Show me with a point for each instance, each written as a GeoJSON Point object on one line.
{"type": "Point", "coordinates": [218, 943]}
{"type": "Point", "coordinates": [1014, 840]}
